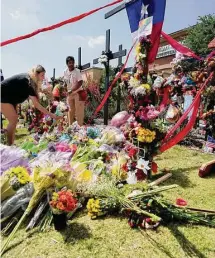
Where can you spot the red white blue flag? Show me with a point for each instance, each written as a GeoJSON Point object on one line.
{"type": "Point", "coordinates": [150, 11]}
{"type": "Point", "coordinates": [210, 142]}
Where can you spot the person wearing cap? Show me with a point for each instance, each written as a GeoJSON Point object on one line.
{"type": "Point", "coordinates": [75, 96]}
{"type": "Point", "coordinates": [15, 90]}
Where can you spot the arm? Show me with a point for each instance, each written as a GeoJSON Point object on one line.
{"type": "Point", "coordinates": [42, 109]}
{"type": "Point", "coordinates": [79, 81]}
{"type": "Point", "coordinates": [77, 85]}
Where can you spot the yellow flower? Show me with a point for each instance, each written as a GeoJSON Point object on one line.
{"type": "Point", "coordinates": [21, 173]}
{"type": "Point", "coordinates": [146, 86]}
{"type": "Point", "coordinates": [145, 135]}
{"type": "Point", "coordinates": [93, 207]}
{"type": "Point", "coordinates": [138, 49]}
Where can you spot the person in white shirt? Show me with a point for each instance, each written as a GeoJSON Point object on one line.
{"type": "Point", "coordinates": [73, 81]}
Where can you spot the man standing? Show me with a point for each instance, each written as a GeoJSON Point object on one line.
{"type": "Point", "coordinates": [73, 80]}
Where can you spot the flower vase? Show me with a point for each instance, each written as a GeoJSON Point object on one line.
{"type": "Point", "coordinates": [60, 221]}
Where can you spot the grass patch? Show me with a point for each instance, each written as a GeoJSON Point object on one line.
{"type": "Point", "coordinates": [111, 237]}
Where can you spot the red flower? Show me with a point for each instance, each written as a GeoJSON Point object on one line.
{"type": "Point", "coordinates": [133, 165]}
{"type": "Point", "coordinates": [148, 220]}
{"type": "Point", "coordinates": [132, 152]}
{"type": "Point", "coordinates": [154, 167]}
{"type": "Point", "coordinates": [181, 202]}
{"type": "Point", "coordinates": [140, 175]}
{"type": "Point", "coordinates": [60, 206]}
{"type": "Point", "coordinates": [65, 202]}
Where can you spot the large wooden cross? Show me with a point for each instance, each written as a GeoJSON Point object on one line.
{"type": "Point", "coordinates": [110, 56]}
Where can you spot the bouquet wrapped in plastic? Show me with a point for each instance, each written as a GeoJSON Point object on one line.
{"type": "Point", "coordinates": [12, 157]}
{"type": "Point", "coordinates": [12, 180]}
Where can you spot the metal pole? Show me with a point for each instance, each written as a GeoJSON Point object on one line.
{"type": "Point", "coordinates": [79, 58]}
{"type": "Point", "coordinates": [107, 69]}
{"type": "Point", "coordinates": [53, 77]}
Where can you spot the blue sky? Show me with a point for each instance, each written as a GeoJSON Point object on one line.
{"type": "Point", "coordinates": [51, 48]}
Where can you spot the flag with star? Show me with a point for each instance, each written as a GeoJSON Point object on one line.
{"type": "Point", "coordinates": [147, 12]}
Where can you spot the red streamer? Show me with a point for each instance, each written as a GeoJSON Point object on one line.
{"type": "Point", "coordinates": [55, 26]}
{"type": "Point", "coordinates": [185, 131]}
{"type": "Point", "coordinates": [179, 47]}
{"type": "Point", "coordinates": [183, 117]}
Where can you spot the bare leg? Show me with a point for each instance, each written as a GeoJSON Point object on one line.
{"type": "Point", "coordinates": [9, 112]}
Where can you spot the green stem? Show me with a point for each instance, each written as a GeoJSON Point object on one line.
{"type": "Point", "coordinates": [10, 237]}
{"type": "Point", "coordinates": [152, 192]}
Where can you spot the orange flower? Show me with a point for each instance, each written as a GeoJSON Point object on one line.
{"type": "Point", "coordinates": [60, 206]}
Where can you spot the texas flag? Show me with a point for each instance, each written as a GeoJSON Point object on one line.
{"type": "Point", "coordinates": [152, 11]}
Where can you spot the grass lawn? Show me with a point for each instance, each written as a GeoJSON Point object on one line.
{"type": "Point", "coordinates": [112, 237]}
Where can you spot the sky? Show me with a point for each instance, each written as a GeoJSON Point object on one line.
{"type": "Point", "coordinates": [50, 49]}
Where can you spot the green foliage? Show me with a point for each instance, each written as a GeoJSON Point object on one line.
{"type": "Point", "coordinates": [201, 35]}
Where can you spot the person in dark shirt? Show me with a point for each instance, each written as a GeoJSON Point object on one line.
{"type": "Point", "coordinates": [16, 90]}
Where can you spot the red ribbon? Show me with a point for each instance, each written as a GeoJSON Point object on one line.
{"type": "Point", "coordinates": [179, 47]}
{"type": "Point", "coordinates": [172, 142]}
{"type": "Point", "coordinates": [55, 26]}
{"type": "Point", "coordinates": [168, 143]}
{"type": "Point", "coordinates": [183, 117]}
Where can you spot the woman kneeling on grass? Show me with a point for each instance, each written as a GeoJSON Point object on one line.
{"type": "Point", "coordinates": [16, 90]}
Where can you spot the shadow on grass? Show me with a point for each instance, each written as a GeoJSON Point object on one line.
{"type": "Point", "coordinates": [156, 244]}
{"type": "Point", "coordinates": [188, 247]}
{"type": "Point", "coordinates": [75, 231]}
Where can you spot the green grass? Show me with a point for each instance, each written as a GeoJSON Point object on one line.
{"type": "Point", "coordinates": [112, 237]}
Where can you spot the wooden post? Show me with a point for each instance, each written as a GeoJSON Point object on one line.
{"type": "Point", "coordinates": [110, 56]}
{"type": "Point", "coordinates": [107, 74]}
{"type": "Point", "coordinates": [118, 86]}
{"type": "Point", "coordinates": [53, 78]}
{"type": "Point", "coordinates": [80, 66]}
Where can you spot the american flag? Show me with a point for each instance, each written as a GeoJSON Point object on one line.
{"type": "Point", "coordinates": [210, 143]}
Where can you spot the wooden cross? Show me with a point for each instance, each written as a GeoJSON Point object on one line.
{"type": "Point", "coordinates": [110, 56]}
{"type": "Point", "coordinates": [80, 66]}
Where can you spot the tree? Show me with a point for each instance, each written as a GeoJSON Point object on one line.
{"type": "Point", "coordinates": [200, 35]}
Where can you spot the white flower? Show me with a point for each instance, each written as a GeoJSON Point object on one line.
{"type": "Point", "coordinates": [62, 106]}
{"type": "Point", "coordinates": [103, 59]}
{"type": "Point", "coordinates": [138, 91]}
{"type": "Point", "coordinates": [158, 82]}
{"type": "Point", "coordinates": [133, 83]}
{"type": "Point", "coordinates": [141, 55]}
{"type": "Point", "coordinates": [143, 165]}
{"type": "Point", "coordinates": [131, 179]}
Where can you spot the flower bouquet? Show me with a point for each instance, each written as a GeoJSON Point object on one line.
{"type": "Point", "coordinates": [102, 206]}
{"type": "Point", "coordinates": [62, 203]}
{"type": "Point", "coordinates": [12, 180]}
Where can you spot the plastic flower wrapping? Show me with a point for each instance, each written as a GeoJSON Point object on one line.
{"type": "Point", "coordinates": [12, 157]}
